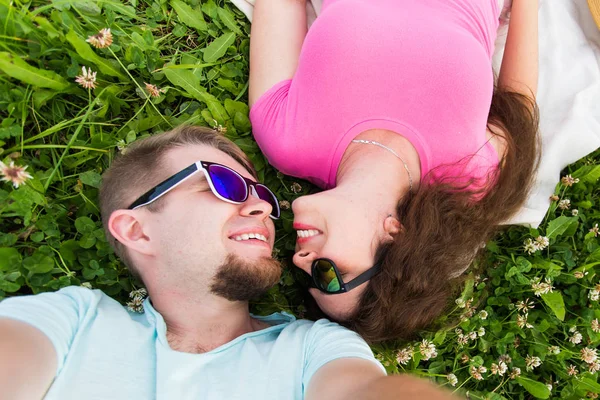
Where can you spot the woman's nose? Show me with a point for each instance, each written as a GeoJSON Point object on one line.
{"type": "Point", "coordinates": [303, 259]}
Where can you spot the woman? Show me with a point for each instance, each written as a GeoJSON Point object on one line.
{"type": "Point", "coordinates": [391, 106]}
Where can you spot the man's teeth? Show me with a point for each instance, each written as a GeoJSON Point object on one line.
{"type": "Point", "coordinates": [307, 233]}
{"type": "Point", "coordinates": [248, 236]}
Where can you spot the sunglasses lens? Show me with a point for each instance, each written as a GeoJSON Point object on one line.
{"type": "Point", "coordinates": [325, 277]}
{"type": "Point", "coordinates": [265, 194]}
{"type": "Point", "coordinates": [228, 184]}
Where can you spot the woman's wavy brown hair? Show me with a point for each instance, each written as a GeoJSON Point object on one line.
{"type": "Point", "coordinates": [445, 225]}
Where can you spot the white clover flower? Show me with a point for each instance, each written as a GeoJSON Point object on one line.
{"type": "Point", "coordinates": [141, 292]}
{"type": "Point", "coordinates": [476, 373]}
{"type": "Point", "coordinates": [554, 350]}
{"type": "Point", "coordinates": [136, 305]}
{"type": "Point", "coordinates": [595, 230]}
{"type": "Point", "coordinates": [472, 335]}
{"type": "Point", "coordinates": [284, 205]}
{"type": "Point", "coordinates": [594, 295]}
{"type": "Point", "coordinates": [589, 355]}
{"type": "Point", "coordinates": [574, 212]}
{"type": "Point", "coordinates": [594, 367]}
{"type": "Point", "coordinates": [460, 303]}
{"type": "Point", "coordinates": [296, 188]}
{"type": "Point", "coordinates": [102, 39]}
{"type": "Point", "coordinates": [579, 274]}
{"type": "Point", "coordinates": [524, 306]}
{"type": "Point", "coordinates": [87, 79]}
{"type": "Point", "coordinates": [572, 371]}
{"type": "Point", "coordinates": [483, 314]}
{"type": "Point", "coordinates": [532, 362]}
{"type": "Point", "coordinates": [542, 242]}
{"type": "Point", "coordinates": [427, 349]}
{"type": "Point", "coordinates": [499, 368]}
{"type": "Point", "coordinates": [153, 90]}
{"type": "Point", "coordinates": [522, 321]}
{"type": "Point", "coordinates": [530, 246]}
{"type": "Point", "coordinates": [504, 358]}
{"type": "Point", "coordinates": [569, 180]}
{"type": "Point", "coordinates": [576, 338]}
{"type": "Point", "coordinates": [121, 145]}
{"type": "Point", "coordinates": [515, 372]}
{"type": "Point", "coordinates": [502, 368]}
{"type": "Point", "coordinates": [540, 288]}
{"type": "Point", "coordinates": [462, 340]}
{"type": "Point", "coordinates": [14, 174]}
{"type": "Point", "coordinates": [564, 204]}
{"type": "Point", "coordinates": [595, 325]}
{"type": "Point", "coordinates": [481, 331]}
{"type": "Point", "coordinates": [494, 369]}
{"type": "Point", "coordinates": [549, 386]}
{"type": "Point", "coordinates": [452, 379]}
{"type": "Point", "coordinates": [405, 355]}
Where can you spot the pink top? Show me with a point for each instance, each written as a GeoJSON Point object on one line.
{"type": "Point", "coordinates": [421, 68]}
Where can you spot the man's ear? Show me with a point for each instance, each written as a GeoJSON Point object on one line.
{"type": "Point", "coordinates": [128, 229]}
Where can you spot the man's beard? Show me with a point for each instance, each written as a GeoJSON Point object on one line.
{"type": "Point", "coordinates": [241, 280]}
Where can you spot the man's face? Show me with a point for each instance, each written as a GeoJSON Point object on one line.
{"type": "Point", "coordinates": [196, 236]}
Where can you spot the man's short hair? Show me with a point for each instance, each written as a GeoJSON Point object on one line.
{"type": "Point", "coordinates": [140, 167]}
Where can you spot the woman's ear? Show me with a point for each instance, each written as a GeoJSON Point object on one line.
{"type": "Point", "coordinates": [128, 228]}
{"type": "Point", "coordinates": [392, 226]}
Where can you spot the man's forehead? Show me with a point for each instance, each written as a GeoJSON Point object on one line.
{"type": "Point", "coordinates": [181, 157]}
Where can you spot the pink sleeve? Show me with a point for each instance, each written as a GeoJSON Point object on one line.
{"type": "Point", "coordinates": [268, 116]}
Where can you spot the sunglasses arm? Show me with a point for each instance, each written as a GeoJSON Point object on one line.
{"type": "Point", "coordinates": [362, 278]}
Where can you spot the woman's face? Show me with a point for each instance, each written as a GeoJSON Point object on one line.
{"type": "Point", "coordinates": [344, 229]}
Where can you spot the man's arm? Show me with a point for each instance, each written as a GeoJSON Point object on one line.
{"type": "Point", "coordinates": [28, 361]}
{"type": "Point", "coordinates": [354, 378]}
{"type": "Point", "coordinates": [278, 31]}
{"type": "Point", "coordinates": [519, 70]}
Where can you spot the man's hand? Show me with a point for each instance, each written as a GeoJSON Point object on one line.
{"type": "Point", "coordinates": [27, 361]}
{"type": "Point", "coordinates": [354, 378]}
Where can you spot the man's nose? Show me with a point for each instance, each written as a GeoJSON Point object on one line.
{"type": "Point", "coordinates": [255, 206]}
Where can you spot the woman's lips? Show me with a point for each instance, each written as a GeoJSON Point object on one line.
{"type": "Point", "coordinates": [306, 232]}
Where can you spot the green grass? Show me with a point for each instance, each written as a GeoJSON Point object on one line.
{"type": "Point", "coordinates": [51, 235]}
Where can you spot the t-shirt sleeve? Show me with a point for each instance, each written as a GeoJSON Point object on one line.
{"type": "Point", "coordinates": [268, 114]}
{"type": "Point", "coordinates": [58, 315]}
{"type": "Point", "coordinates": [328, 341]}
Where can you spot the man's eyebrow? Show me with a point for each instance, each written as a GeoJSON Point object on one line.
{"type": "Point", "coordinates": [198, 181]}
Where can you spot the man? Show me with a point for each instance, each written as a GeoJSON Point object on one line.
{"type": "Point", "coordinates": [183, 211]}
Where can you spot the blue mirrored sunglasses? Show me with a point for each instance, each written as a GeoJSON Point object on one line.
{"type": "Point", "coordinates": [224, 182]}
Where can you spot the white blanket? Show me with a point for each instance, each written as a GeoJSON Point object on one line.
{"type": "Point", "coordinates": [568, 91]}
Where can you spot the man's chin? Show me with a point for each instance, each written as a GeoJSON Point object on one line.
{"type": "Point", "coordinates": [245, 278]}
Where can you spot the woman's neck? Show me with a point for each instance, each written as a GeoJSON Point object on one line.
{"type": "Point", "coordinates": [373, 169]}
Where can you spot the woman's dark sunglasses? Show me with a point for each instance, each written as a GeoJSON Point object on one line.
{"type": "Point", "coordinates": [224, 182]}
{"type": "Point", "coordinates": [326, 277]}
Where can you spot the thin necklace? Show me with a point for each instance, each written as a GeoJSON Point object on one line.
{"type": "Point", "coordinates": [410, 182]}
